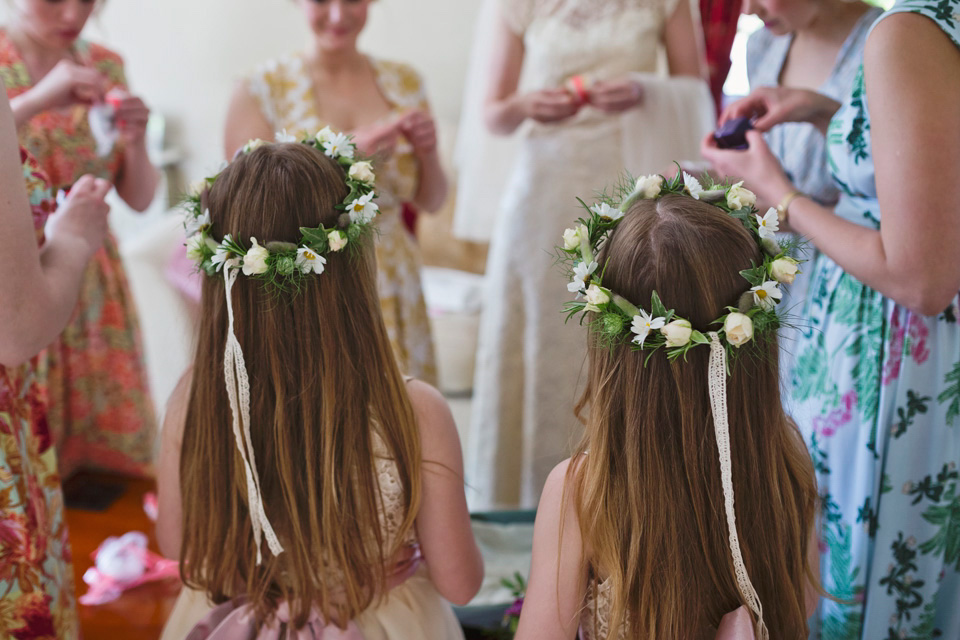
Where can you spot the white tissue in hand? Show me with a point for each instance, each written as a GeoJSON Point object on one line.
{"type": "Point", "coordinates": [103, 127]}
{"type": "Point", "coordinates": [122, 558]}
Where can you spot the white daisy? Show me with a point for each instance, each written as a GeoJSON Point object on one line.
{"type": "Point", "coordinates": [581, 273]}
{"type": "Point", "coordinates": [283, 136]}
{"type": "Point", "coordinates": [768, 224]}
{"type": "Point", "coordinates": [198, 224]}
{"type": "Point", "coordinates": [338, 146]}
{"type": "Point", "coordinates": [363, 209]}
{"type": "Point", "coordinates": [643, 324]}
{"type": "Point", "coordinates": [606, 212]}
{"type": "Point", "coordinates": [222, 253]}
{"type": "Point", "coordinates": [694, 188]}
{"type": "Point", "coordinates": [767, 295]}
{"type": "Point", "coordinates": [308, 261]}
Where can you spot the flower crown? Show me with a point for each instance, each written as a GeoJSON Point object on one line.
{"type": "Point", "coordinates": [659, 327]}
{"type": "Point", "coordinates": [284, 263]}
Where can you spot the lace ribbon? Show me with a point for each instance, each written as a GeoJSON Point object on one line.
{"type": "Point", "coordinates": [718, 404]}
{"type": "Point", "coordinates": [237, 380]}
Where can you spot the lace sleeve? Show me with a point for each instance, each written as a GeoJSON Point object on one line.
{"type": "Point", "coordinates": [518, 14]}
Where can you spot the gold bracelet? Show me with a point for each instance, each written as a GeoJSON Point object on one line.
{"type": "Point", "coordinates": [783, 215]}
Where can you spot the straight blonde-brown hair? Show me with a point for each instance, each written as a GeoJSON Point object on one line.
{"type": "Point", "coordinates": [646, 483]}
{"type": "Point", "coordinates": [324, 390]}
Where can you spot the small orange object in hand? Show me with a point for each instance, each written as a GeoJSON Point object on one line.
{"type": "Point", "coordinates": [577, 86]}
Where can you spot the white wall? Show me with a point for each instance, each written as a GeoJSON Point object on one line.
{"type": "Point", "coordinates": [183, 56]}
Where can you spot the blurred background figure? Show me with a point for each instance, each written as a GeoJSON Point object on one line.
{"type": "Point", "coordinates": [384, 106]}
{"type": "Point", "coordinates": [76, 116]}
{"type": "Point", "coordinates": [578, 80]}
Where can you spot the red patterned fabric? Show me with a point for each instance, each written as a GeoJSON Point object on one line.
{"type": "Point", "coordinates": [719, 19]}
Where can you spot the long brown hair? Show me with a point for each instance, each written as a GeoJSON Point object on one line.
{"type": "Point", "coordinates": [647, 486]}
{"type": "Point", "coordinates": [323, 379]}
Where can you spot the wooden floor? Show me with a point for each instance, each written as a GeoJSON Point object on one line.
{"type": "Point", "coordinates": [141, 612]}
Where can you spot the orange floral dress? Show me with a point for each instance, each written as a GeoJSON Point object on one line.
{"type": "Point", "coordinates": [100, 412]}
{"type": "Point", "coordinates": [36, 580]}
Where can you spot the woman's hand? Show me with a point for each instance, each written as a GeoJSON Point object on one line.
{"type": "Point", "coordinates": [377, 140]}
{"type": "Point", "coordinates": [616, 96]}
{"type": "Point", "coordinates": [68, 83]}
{"type": "Point", "coordinates": [130, 115]}
{"type": "Point", "coordinates": [770, 106]}
{"type": "Point", "coordinates": [83, 215]}
{"type": "Point", "coordinates": [420, 129]}
{"type": "Point", "coordinates": [756, 166]}
{"type": "Point", "coordinates": [549, 105]}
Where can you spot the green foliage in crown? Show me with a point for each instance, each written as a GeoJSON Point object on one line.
{"type": "Point", "coordinates": [657, 326]}
{"type": "Point", "coordinates": [285, 264]}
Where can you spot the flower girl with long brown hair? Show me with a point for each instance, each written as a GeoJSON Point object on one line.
{"type": "Point", "coordinates": [304, 483]}
{"type": "Point", "coordinates": [687, 510]}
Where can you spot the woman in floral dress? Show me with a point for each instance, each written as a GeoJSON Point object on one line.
{"type": "Point", "coordinates": [384, 105]}
{"type": "Point", "coordinates": [876, 388]}
{"type": "Point", "coordinates": [36, 580]}
{"type": "Point", "coordinates": [100, 412]}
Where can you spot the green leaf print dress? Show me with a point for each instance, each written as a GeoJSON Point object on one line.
{"type": "Point", "coordinates": [876, 391]}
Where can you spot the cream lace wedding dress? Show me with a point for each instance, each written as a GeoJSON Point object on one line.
{"type": "Point", "coordinates": [530, 364]}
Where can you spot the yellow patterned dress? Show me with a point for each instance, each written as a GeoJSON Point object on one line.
{"type": "Point", "coordinates": [100, 412]}
{"type": "Point", "coordinates": [286, 96]}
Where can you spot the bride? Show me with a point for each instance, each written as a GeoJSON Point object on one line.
{"type": "Point", "coordinates": [577, 80]}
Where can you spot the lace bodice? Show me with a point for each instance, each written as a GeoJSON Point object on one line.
{"type": "Point", "coordinates": [595, 619]}
{"type": "Point", "coordinates": [391, 511]}
{"type": "Point", "coordinates": [600, 38]}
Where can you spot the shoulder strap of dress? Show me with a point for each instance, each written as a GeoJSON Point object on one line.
{"type": "Point", "coordinates": [943, 12]}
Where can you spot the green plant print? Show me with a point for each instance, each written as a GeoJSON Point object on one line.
{"type": "Point", "coordinates": [951, 395]}
{"type": "Point", "coordinates": [930, 488]}
{"type": "Point", "coordinates": [843, 621]}
{"type": "Point", "coordinates": [946, 516]}
{"type": "Point", "coordinates": [811, 377]}
{"type": "Point", "coordinates": [867, 515]}
{"type": "Point", "coordinates": [859, 125]}
{"type": "Point", "coordinates": [902, 583]}
{"type": "Point", "coordinates": [916, 405]}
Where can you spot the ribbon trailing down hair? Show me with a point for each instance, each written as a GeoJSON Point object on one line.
{"type": "Point", "coordinates": [717, 380]}
{"type": "Point", "coordinates": [238, 391]}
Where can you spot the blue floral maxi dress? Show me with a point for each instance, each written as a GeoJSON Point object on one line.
{"type": "Point", "coordinates": [876, 391]}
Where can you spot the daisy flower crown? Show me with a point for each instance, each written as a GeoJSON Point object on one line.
{"type": "Point", "coordinates": [285, 263]}
{"type": "Point", "coordinates": [657, 326]}
{"type": "Point", "coordinates": [661, 328]}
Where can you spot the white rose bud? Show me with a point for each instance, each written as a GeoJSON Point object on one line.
{"type": "Point", "coordinates": [195, 247]}
{"type": "Point", "coordinates": [738, 197]}
{"type": "Point", "coordinates": [253, 145]}
{"type": "Point", "coordinates": [571, 239]}
{"type": "Point", "coordinates": [677, 333]}
{"type": "Point", "coordinates": [255, 262]}
{"type": "Point", "coordinates": [649, 186]}
{"type": "Point", "coordinates": [337, 240]}
{"type": "Point", "coordinates": [596, 297]}
{"type": "Point", "coordinates": [738, 328]}
{"type": "Point", "coordinates": [362, 171]}
{"type": "Point", "coordinates": [784, 270]}
{"type": "Point", "coordinates": [324, 135]}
